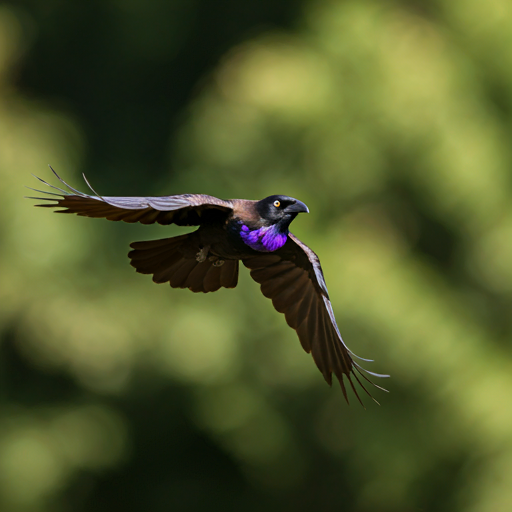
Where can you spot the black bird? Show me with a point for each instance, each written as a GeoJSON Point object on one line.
{"type": "Point", "coordinates": [254, 232]}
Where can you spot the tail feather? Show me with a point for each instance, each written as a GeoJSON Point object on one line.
{"type": "Point", "coordinates": [229, 274]}
{"type": "Point", "coordinates": [173, 260]}
{"type": "Point", "coordinates": [180, 275]}
{"type": "Point", "coordinates": [156, 264]}
{"type": "Point", "coordinates": [211, 280]}
{"type": "Point", "coordinates": [195, 279]}
{"type": "Point", "coordinates": [165, 270]}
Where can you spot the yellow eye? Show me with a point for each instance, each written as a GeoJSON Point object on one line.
{"type": "Point", "coordinates": [277, 203]}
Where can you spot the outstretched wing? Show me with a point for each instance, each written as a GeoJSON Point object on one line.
{"type": "Point", "coordinates": [292, 277]}
{"type": "Point", "coordinates": [183, 210]}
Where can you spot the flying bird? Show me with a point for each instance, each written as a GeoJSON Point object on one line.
{"type": "Point", "coordinates": [253, 232]}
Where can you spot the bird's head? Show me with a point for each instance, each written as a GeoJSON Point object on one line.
{"type": "Point", "coordinates": [280, 209]}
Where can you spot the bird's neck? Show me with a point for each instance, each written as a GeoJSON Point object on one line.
{"type": "Point", "coordinates": [266, 238]}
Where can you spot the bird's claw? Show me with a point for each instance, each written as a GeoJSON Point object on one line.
{"type": "Point", "coordinates": [201, 255]}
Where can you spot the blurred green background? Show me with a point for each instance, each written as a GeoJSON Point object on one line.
{"type": "Point", "coordinates": [392, 121]}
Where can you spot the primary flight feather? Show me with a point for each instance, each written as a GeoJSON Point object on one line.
{"type": "Point", "coordinates": [253, 232]}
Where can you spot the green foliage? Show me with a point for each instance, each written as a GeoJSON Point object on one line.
{"type": "Point", "coordinates": [392, 121]}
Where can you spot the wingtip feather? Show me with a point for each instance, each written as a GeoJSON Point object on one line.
{"type": "Point", "coordinates": [51, 186]}
{"type": "Point", "coordinates": [90, 186]}
{"type": "Point", "coordinates": [77, 192]}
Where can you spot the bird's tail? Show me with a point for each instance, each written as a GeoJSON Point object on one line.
{"type": "Point", "coordinates": [176, 260]}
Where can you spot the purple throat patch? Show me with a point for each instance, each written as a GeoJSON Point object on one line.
{"type": "Point", "coordinates": [266, 239]}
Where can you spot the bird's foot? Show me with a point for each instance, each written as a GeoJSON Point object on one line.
{"type": "Point", "coordinates": [216, 262]}
{"type": "Point", "coordinates": [202, 254]}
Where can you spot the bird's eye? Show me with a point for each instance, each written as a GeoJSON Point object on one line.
{"type": "Point", "coordinates": [277, 203]}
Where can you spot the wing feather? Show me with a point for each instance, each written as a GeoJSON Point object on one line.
{"type": "Point", "coordinates": [292, 311]}
{"type": "Point", "coordinates": [317, 332]}
{"type": "Point", "coordinates": [293, 278]}
{"type": "Point", "coordinates": [272, 288]}
{"type": "Point", "coordinates": [183, 210]}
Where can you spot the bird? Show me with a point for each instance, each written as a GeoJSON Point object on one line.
{"type": "Point", "coordinates": [255, 233]}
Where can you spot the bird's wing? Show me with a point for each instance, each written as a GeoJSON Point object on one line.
{"type": "Point", "coordinates": [292, 277]}
{"type": "Point", "coordinates": [183, 210]}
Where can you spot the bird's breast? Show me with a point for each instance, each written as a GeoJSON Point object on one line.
{"type": "Point", "coordinates": [262, 239]}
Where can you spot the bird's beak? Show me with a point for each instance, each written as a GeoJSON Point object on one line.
{"type": "Point", "coordinates": [297, 207]}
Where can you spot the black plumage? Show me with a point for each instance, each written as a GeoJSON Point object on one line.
{"type": "Point", "coordinates": [253, 232]}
